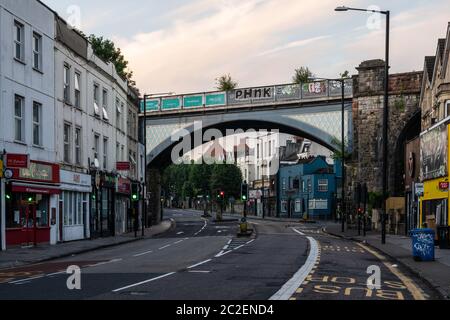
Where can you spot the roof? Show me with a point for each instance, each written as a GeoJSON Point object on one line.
{"type": "Point", "coordinates": [429, 66]}
{"type": "Point", "coordinates": [441, 48]}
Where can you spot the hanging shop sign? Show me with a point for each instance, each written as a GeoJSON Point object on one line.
{"type": "Point", "coordinates": [123, 166]}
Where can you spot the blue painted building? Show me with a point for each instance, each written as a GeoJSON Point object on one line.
{"type": "Point", "coordinates": [309, 188]}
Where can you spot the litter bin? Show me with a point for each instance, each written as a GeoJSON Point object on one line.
{"type": "Point", "coordinates": [444, 237]}
{"type": "Point", "coordinates": [423, 244]}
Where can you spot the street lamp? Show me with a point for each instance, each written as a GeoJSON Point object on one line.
{"type": "Point", "coordinates": [385, 113]}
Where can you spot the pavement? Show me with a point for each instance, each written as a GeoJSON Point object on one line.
{"type": "Point", "coordinates": [436, 273]}
{"type": "Point", "coordinates": [18, 256]}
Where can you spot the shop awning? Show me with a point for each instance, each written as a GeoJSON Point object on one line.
{"type": "Point", "coordinates": [34, 188]}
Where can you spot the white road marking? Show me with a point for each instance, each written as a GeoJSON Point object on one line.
{"type": "Point", "coordinates": [237, 248]}
{"type": "Point", "coordinates": [162, 248]}
{"type": "Point", "coordinates": [142, 254]}
{"type": "Point", "coordinates": [26, 280]}
{"type": "Point", "coordinates": [250, 241]}
{"type": "Point", "coordinates": [289, 289]}
{"type": "Point", "coordinates": [222, 253]}
{"type": "Point", "coordinates": [199, 264]}
{"type": "Point", "coordinates": [299, 232]}
{"type": "Point", "coordinates": [180, 241]}
{"type": "Point", "coordinates": [56, 273]}
{"type": "Point", "coordinates": [103, 263]}
{"type": "Point", "coordinates": [181, 232]}
{"type": "Point", "coordinates": [144, 282]}
{"type": "Point", "coordinates": [199, 271]}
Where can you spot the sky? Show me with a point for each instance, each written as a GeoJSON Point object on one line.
{"type": "Point", "coordinates": [182, 46]}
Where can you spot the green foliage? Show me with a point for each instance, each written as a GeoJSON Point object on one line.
{"type": "Point", "coordinates": [302, 75]}
{"type": "Point", "coordinates": [182, 181]}
{"type": "Point", "coordinates": [226, 83]}
{"type": "Point", "coordinates": [227, 178]}
{"type": "Point", "coordinates": [400, 104]}
{"type": "Point", "coordinates": [106, 50]}
{"type": "Point", "coordinates": [337, 155]}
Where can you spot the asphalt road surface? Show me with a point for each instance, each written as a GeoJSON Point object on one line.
{"type": "Point", "coordinates": [204, 260]}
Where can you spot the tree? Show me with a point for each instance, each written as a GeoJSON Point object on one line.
{"type": "Point", "coordinates": [200, 176]}
{"type": "Point", "coordinates": [345, 74]}
{"type": "Point", "coordinates": [107, 51]}
{"type": "Point", "coordinates": [302, 75]}
{"type": "Point", "coordinates": [226, 83]}
{"type": "Point", "coordinates": [227, 178]}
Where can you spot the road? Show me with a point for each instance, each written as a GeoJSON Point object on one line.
{"type": "Point", "coordinates": [203, 260]}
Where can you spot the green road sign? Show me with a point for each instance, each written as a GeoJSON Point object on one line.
{"type": "Point", "coordinates": [193, 101]}
{"type": "Point", "coordinates": [152, 105]}
{"type": "Point", "coordinates": [170, 104]}
{"type": "Point", "coordinates": [215, 99]}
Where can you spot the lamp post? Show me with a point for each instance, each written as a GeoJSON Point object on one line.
{"type": "Point", "coordinates": [385, 114]}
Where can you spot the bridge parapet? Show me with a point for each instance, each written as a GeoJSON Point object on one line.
{"type": "Point", "coordinates": [284, 93]}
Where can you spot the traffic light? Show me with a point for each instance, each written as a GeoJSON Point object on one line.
{"type": "Point", "coordinates": [135, 192]}
{"type": "Point", "coordinates": [221, 195]}
{"type": "Point", "coordinates": [244, 192]}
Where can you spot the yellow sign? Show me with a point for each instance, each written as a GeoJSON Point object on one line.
{"type": "Point", "coordinates": [1, 168]}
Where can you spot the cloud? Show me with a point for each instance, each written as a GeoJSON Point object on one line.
{"type": "Point", "coordinates": [261, 42]}
{"type": "Point", "coordinates": [293, 44]}
{"type": "Point", "coordinates": [190, 53]}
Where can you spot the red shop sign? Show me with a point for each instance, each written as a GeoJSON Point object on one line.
{"type": "Point", "coordinates": [17, 161]}
{"type": "Point", "coordinates": [123, 166]}
{"type": "Point", "coordinates": [39, 171]}
{"type": "Point", "coordinates": [37, 190]}
{"type": "Point", "coordinates": [443, 186]}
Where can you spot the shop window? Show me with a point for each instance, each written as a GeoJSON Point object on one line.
{"type": "Point", "coordinates": [74, 208]}
{"type": "Point", "coordinates": [435, 213]}
{"type": "Point", "coordinates": [23, 208]}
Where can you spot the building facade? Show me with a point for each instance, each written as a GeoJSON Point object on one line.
{"type": "Point", "coordinates": [93, 128]}
{"type": "Point", "coordinates": [307, 189]}
{"type": "Point", "coordinates": [434, 139]}
{"type": "Point", "coordinates": [30, 198]}
{"type": "Point", "coordinates": [68, 133]}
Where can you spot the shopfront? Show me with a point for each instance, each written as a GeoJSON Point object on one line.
{"type": "Point", "coordinates": [123, 219]}
{"type": "Point", "coordinates": [434, 171]}
{"type": "Point", "coordinates": [103, 204]}
{"type": "Point", "coordinates": [74, 206]}
{"type": "Point", "coordinates": [31, 204]}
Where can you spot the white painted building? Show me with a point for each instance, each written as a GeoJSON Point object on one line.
{"type": "Point", "coordinates": [26, 101]}
{"type": "Point", "coordinates": [92, 127]}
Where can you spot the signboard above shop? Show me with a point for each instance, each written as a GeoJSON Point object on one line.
{"type": "Point", "coordinates": [434, 153]}
{"type": "Point", "coordinates": [17, 161]}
